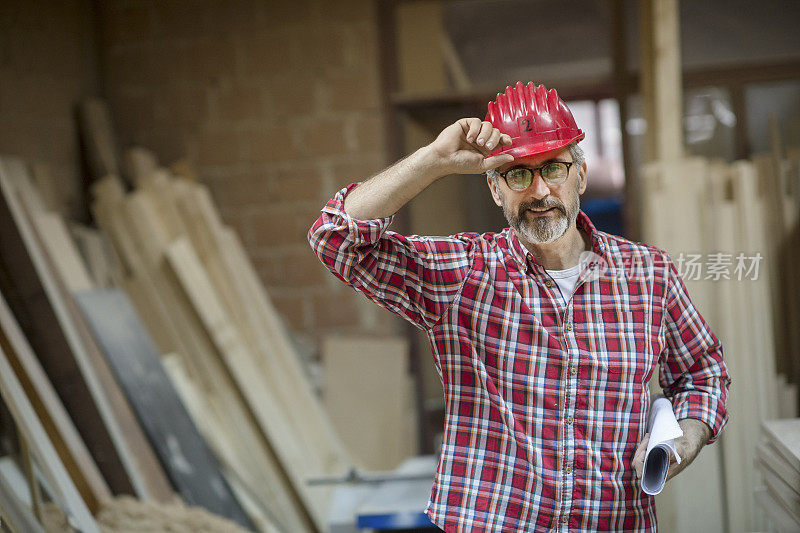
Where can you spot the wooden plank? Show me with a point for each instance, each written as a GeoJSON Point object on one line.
{"type": "Point", "coordinates": [141, 281]}
{"type": "Point", "coordinates": [776, 514]}
{"type": "Point", "coordinates": [770, 190]}
{"type": "Point", "coordinates": [34, 297]}
{"type": "Point", "coordinates": [788, 403]}
{"type": "Point", "coordinates": [60, 429]}
{"type": "Point", "coordinates": [281, 357]}
{"type": "Point", "coordinates": [249, 306]}
{"type": "Point", "coordinates": [690, 502]}
{"type": "Point", "coordinates": [133, 356]}
{"type": "Point", "coordinates": [52, 196]}
{"type": "Point", "coordinates": [750, 208]}
{"type": "Point", "coordinates": [782, 493]}
{"type": "Point", "coordinates": [266, 513]}
{"type": "Point", "coordinates": [661, 79]}
{"type": "Point", "coordinates": [97, 135]}
{"type": "Point", "coordinates": [132, 224]}
{"type": "Point", "coordinates": [768, 456]}
{"type": "Point", "coordinates": [56, 238]}
{"type": "Point", "coordinates": [136, 453]}
{"type": "Point", "coordinates": [368, 395]}
{"type": "Point", "coordinates": [293, 451]}
{"type": "Point", "coordinates": [28, 424]}
{"type": "Point", "coordinates": [14, 514]}
{"type": "Point", "coordinates": [140, 163]}
{"type": "Point", "coordinates": [34, 489]}
{"type": "Point", "coordinates": [741, 431]}
{"type": "Point", "coordinates": [97, 255]}
{"type": "Point", "coordinates": [785, 435]}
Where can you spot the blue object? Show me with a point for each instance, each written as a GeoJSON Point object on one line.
{"type": "Point", "coordinates": [394, 521]}
{"type": "Point", "coordinates": [605, 214]}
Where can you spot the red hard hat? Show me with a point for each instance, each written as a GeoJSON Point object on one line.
{"type": "Point", "coordinates": [537, 120]}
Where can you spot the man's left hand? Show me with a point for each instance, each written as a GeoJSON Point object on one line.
{"type": "Point", "coordinates": [695, 435]}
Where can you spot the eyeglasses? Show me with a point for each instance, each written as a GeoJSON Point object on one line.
{"type": "Point", "coordinates": [520, 178]}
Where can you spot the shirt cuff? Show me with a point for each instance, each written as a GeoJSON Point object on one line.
{"type": "Point", "coordinates": [358, 231]}
{"type": "Point", "coordinates": [693, 404]}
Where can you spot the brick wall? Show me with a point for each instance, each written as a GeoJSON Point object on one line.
{"type": "Point", "coordinates": [47, 64]}
{"type": "Point", "coordinates": [276, 106]}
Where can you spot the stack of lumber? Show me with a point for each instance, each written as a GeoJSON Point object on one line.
{"type": "Point", "coordinates": [191, 343]}
{"type": "Point", "coordinates": [778, 460]}
{"type": "Point", "coordinates": [728, 223]}
{"type": "Point", "coordinates": [44, 273]}
{"type": "Point", "coordinates": [38, 444]}
{"type": "Point", "coordinates": [63, 345]}
{"type": "Point", "coordinates": [79, 441]}
{"type": "Point", "coordinates": [189, 277]}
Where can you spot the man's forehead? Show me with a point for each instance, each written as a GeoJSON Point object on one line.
{"type": "Point", "coordinates": [538, 159]}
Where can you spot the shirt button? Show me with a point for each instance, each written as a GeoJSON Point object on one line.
{"type": "Point", "coordinates": [564, 519]}
{"type": "Point", "coordinates": [548, 283]}
{"type": "Point", "coordinates": [568, 470]}
{"type": "Point", "coordinates": [569, 420]}
{"type": "Point", "coordinates": [573, 370]}
{"type": "Point", "coordinates": [568, 327]}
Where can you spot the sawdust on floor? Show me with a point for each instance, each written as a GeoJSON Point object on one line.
{"type": "Point", "coordinates": [125, 514]}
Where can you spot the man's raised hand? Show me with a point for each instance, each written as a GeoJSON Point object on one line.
{"type": "Point", "coordinates": [464, 147]}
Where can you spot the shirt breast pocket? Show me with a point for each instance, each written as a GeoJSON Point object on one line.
{"type": "Point", "coordinates": [623, 352]}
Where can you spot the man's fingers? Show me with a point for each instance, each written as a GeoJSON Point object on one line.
{"type": "Point", "coordinates": [485, 133]}
{"type": "Point", "coordinates": [474, 129]}
{"type": "Point", "coordinates": [496, 161]}
{"type": "Point", "coordinates": [494, 138]}
{"type": "Point", "coordinates": [506, 139]}
{"type": "Point", "coordinates": [638, 456]}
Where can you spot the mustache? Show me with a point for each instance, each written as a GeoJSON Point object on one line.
{"type": "Point", "coordinates": [540, 204]}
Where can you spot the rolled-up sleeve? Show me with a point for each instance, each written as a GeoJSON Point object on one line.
{"type": "Point", "coordinates": [693, 374]}
{"type": "Point", "coordinates": [412, 276]}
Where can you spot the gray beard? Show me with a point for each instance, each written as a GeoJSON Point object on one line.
{"type": "Point", "coordinates": [543, 229]}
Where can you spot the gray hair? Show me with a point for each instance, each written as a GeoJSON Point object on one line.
{"type": "Point", "coordinates": [574, 150]}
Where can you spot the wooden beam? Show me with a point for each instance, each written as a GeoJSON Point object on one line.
{"type": "Point", "coordinates": [294, 452]}
{"type": "Point", "coordinates": [13, 512]}
{"type": "Point", "coordinates": [68, 498]}
{"type": "Point", "coordinates": [660, 83]}
{"type": "Point", "coordinates": [97, 134]}
{"type": "Point", "coordinates": [622, 90]}
{"type": "Point", "coordinates": [34, 297]}
{"type": "Point", "coordinates": [137, 230]}
{"type": "Point", "coordinates": [55, 419]}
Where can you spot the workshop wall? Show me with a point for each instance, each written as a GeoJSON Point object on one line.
{"type": "Point", "coordinates": [47, 64]}
{"type": "Point", "coordinates": [276, 106]}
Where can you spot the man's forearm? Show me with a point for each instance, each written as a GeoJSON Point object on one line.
{"type": "Point", "coordinates": [463, 147]}
{"type": "Point", "coordinates": [385, 193]}
{"type": "Point", "coordinates": [696, 430]}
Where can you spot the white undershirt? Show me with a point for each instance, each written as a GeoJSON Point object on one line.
{"type": "Point", "coordinates": [566, 279]}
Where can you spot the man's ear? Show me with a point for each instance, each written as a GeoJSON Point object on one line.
{"type": "Point", "coordinates": [493, 190]}
{"type": "Point", "coordinates": [582, 177]}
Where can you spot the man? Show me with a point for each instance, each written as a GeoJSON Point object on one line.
{"type": "Point", "coordinates": [545, 335]}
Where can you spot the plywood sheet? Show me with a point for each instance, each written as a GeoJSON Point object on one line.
{"type": "Point", "coordinates": [188, 462]}
{"type": "Point", "coordinates": [367, 393]}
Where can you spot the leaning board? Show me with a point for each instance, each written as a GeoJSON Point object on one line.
{"type": "Point", "coordinates": [30, 427]}
{"type": "Point", "coordinates": [132, 354]}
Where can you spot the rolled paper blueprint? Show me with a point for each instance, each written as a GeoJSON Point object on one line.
{"type": "Point", "coordinates": [664, 429]}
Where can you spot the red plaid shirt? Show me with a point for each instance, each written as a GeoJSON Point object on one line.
{"type": "Point", "coordinates": [546, 400]}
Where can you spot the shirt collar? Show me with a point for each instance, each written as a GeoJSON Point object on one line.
{"type": "Point", "coordinates": [522, 255]}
